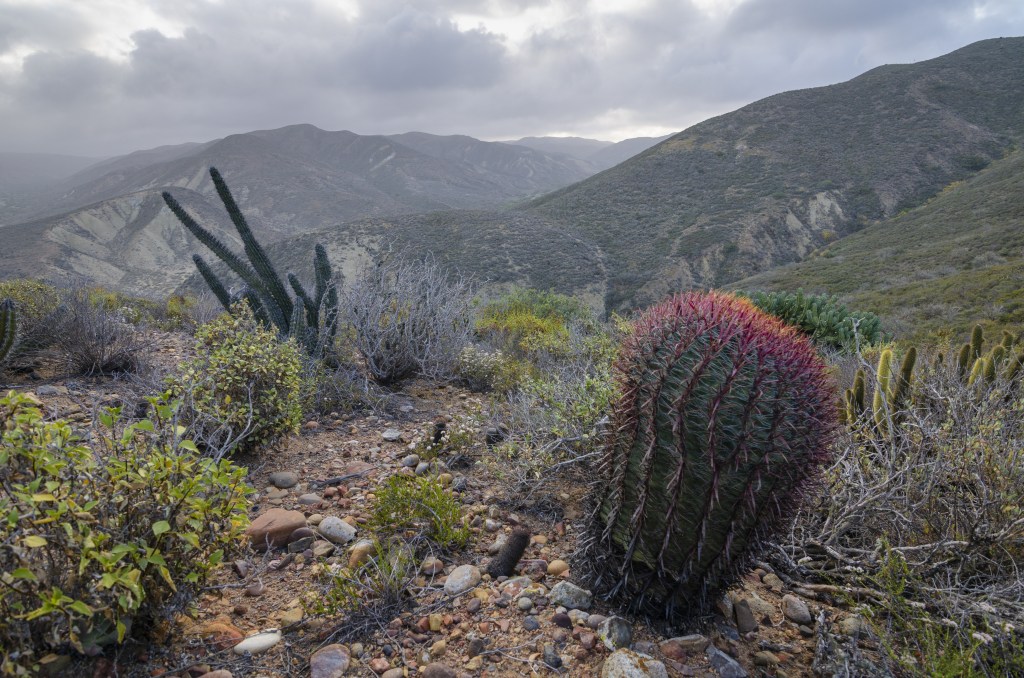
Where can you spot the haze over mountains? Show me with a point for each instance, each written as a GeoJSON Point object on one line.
{"type": "Point", "coordinates": [773, 183]}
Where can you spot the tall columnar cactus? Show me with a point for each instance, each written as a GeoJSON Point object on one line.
{"type": "Point", "coordinates": [8, 328]}
{"type": "Point", "coordinates": [977, 341]}
{"type": "Point", "coordinates": [264, 289]}
{"type": "Point", "coordinates": [724, 416]}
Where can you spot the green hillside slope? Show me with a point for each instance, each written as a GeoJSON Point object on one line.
{"type": "Point", "coordinates": [954, 261]}
{"type": "Point", "coordinates": [770, 183]}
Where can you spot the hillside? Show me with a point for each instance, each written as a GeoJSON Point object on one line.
{"type": "Point", "coordinates": [497, 249]}
{"type": "Point", "coordinates": [956, 260]}
{"type": "Point", "coordinates": [598, 155]}
{"type": "Point", "coordinates": [771, 182]}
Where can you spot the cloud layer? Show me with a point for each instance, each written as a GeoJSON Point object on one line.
{"type": "Point", "coordinates": [109, 76]}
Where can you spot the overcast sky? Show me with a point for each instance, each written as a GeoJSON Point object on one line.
{"type": "Point", "coordinates": [101, 77]}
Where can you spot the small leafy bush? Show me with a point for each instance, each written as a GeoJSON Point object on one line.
{"type": "Point", "coordinates": [528, 322]}
{"type": "Point", "coordinates": [409, 318]}
{"type": "Point", "coordinates": [368, 597]}
{"type": "Point", "coordinates": [826, 321]}
{"type": "Point", "coordinates": [420, 503]}
{"type": "Point", "coordinates": [483, 370]}
{"type": "Point", "coordinates": [102, 538]}
{"type": "Point", "coordinates": [242, 390]}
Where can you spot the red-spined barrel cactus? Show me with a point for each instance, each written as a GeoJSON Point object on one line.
{"type": "Point", "coordinates": [724, 415]}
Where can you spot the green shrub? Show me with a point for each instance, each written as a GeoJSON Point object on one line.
{"type": "Point", "coordinates": [241, 391]}
{"type": "Point", "coordinates": [482, 370]}
{"type": "Point", "coordinates": [420, 503]}
{"type": "Point", "coordinates": [527, 322]}
{"type": "Point", "coordinates": [101, 538]}
{"type": "Point", "coordinates": [827, 322]}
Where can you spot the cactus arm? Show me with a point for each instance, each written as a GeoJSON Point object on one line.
{"type": "Point", "coordinates": [312, 311]}
{"type": "Point", "coordinates": [272, 282]}
{"type": "Point", "coordinates": [977, 340]}
{"type": "Point", "coordinates": [214, 283]}
{"type": "Point", "coordinates": [8, 327]}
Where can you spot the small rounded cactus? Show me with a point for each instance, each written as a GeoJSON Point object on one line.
{"type": "Point", "coordinates": [724, 416]}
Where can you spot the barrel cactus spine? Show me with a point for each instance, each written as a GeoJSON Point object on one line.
{"type": "Point", "coordinates": [724, 416]}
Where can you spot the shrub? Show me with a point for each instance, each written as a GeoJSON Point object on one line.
{"type": "Point", "coordinates": [242, 389]}
{"type": "Point", "coordinates": [723, 416]}
{"type": "Point", "coordinates": [409, 318]}
{"type": "Point", "coordinates": [483, 370]}
{"type": "Point", "coordinates": [36, 304]}
{"type": "Point", "coordinates": [420, 503]}
{"type": "Point", "coordinates": [94, 336]}
{"type": "Point", "coordinates": [98, 539]}
{"type": "Point", "coordinates": [528, 322]}
{"type": "Point", "coordinates": [821, 317]}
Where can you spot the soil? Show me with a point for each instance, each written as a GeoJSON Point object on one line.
{"type": "Point", "coordinates": [492, 637]}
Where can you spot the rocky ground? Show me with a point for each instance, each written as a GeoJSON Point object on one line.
{"type": "Point", "coordinates": [457, 621]}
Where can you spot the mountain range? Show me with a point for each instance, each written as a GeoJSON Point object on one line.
{"type": "Point", "coordinates": [783, 192]}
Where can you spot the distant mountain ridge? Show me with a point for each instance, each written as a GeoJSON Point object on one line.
{"type": "Point", "coordinates": [771, 182]}
{"type": "Point", "coordinates": [597, 154]}
{"type": "Point", "coordinates": [768, 185]}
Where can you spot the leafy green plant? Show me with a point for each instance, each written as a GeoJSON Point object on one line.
{"type": "Point", "coordinates": [723, 416]}
{"type": "Point", "coordinates": [310, 319]}
{"type": "Point", "coordinates": [497, 371]}
{"type": "Point", "coordinates": [526, 321]}
{"type": "Point", "coordinates": [102, 538]}
{"type": "Point", "coordinates": [821, 317]}
{"type": "Point", "coordinates": [242, 390]}
{"type": "Point", "coordinates": [420, 503]}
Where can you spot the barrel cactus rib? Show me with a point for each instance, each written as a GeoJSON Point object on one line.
{"type": "Point", "coordinates": [724, 416]}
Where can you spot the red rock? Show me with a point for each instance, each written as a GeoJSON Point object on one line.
{"type": "Point", "coordinates": [379, 665]}
{"type": "Point", "coordinates": [274, 527]}
{"type": "Point", "coordinates": [221, 635]}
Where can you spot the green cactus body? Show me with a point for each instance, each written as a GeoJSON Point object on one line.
{"type": "Point", "coordinates": [264, 289]}
{"type": "Point", "coordinates": [724, 415]}
{"type": "Point", "coordinates": [1008, 340]}
{"type": "Point", "coordinates": [963, 361]}
{"type": "Point", "coordinates": [880, 401]}
{"type": "Point", "coordinates": [899, 389]}
{"type": "Point", "coordinates": [1013, 366]}
{"type": "Point", "coordinates": [977, 371]}
{"type": "Point", "coordinates": [997, 355]}
{"type": "Point", "coordinates": [8, 328]}
{"type": "Point", "coordinates": [977, 341]}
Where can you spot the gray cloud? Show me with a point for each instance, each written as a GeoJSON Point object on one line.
{"type": "Point", "coordinates": [206, 69]}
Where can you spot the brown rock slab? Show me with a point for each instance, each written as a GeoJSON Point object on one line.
{"type": "Point", "coordinates": [438, 670]}
{"type": "Point", "coordinates": [273, 528]}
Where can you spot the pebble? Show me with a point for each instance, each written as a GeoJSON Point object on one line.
{"type": "Point", "coordinates": [765, 658]}
{"type": "Point", "coordinates": [853, 626]}
{"type": "Point", "coordinates": [261, 642]}
{"type": "Point", "coordinates": [745, 622]}
{"type": "Point", "coordinates": [473, 606]}
{"type": "Point", "coordinates": [629, 664]}
{"type": "Point", "coordinates": [578, 616]}
{"type": "Point", "coordinates": [588, 640]}
{"type": "Point", "coordinates": [422, 468]}
{"type": "Point", "coordinates": [462, 579]}
{"type": "Point", "coordinates": [411, 461]}
{"type": "Point", "coordinates": [551, 657]}
{"type": "Point", "coordinates": [531, 623]}
{"type": "Point", "coordinates": [496, 545]}
{"type": "Point", "coordinates": [392, 435]}
{"type": "Point", "coordinates": [570, 596]}
{"type": "Point", "coordinates": [379, 665]}
{"type": "Point", "coordinates": [524, 604]}
{"type": "Point", "coordinates": [726, 666]}
{"type": "Point", "coordinates": [431, 566]}
{"type": "Point", "coordinates": [438, 670]}
{"type": "Point", "coordinates": [616, 633]}
{"type": "Point", "coordinates": [336, 530]}
{"type": "Point", "coordinates": [438, 648]}
{"type": "Point", "coordinates": [331, 661]}
{"type": "Point", "coordinates": [393, 673]}
{"type": "Point", "coordinates": [681, 647]}
{"type": "Point", "coordinates": [561, 619]}
{"type": "Point", "coordinates": [309, 499]}
{"type": "Point", "coordinates": [557, 567]}
{"type": "Point", "coordinates": [284, 479]}
{"type": "Point", "coordinates": [492, 525]}
{"type": "Point", "coordinates": [772, 581]}
{"type": "Point", "coordinates": [796, 610]}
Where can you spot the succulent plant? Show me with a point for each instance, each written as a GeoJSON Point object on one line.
{"type": "Point", "coordinates": [264, 289]}
{"type": "Point", "coordinates": [8, 328]}
{"type": "Point", "coordinates": [724, 416]}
